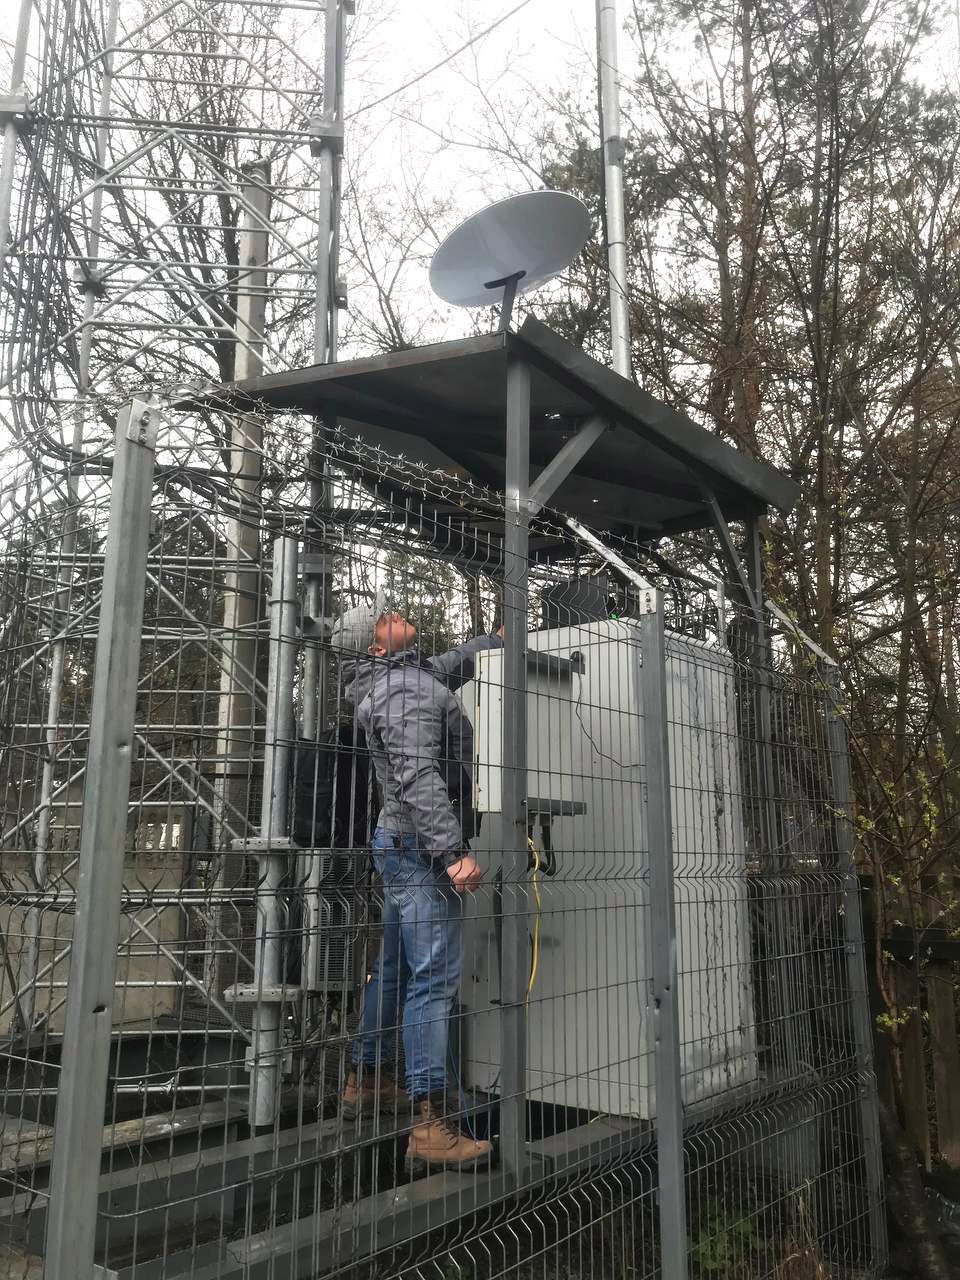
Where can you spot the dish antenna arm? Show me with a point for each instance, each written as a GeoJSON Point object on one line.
{"type": "Point", "coordinates": [509, 286]}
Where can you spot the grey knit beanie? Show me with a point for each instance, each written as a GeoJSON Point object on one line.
{"type": "Point", "coordinates": [353, 631]}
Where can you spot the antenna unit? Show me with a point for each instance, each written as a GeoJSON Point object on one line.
{"type": "Point", "coordinates": [509, 247]}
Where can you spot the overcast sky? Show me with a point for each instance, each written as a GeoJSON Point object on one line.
{"type": "Point", "coordinates": [413, 122]}
{"type": "Point", "coordinates": [537, 44]}
{"type": "Point", "coordinates": [434, 132]}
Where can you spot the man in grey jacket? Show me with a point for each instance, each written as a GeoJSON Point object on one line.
{"type": "Point", "coordinates": [421, 748]}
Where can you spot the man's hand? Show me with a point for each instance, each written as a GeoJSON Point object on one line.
{"type": "Point", "coordinates": [465, 875]}
{"type": "Point", "coordinates": [499, 632]}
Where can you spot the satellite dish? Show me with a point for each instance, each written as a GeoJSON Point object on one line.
{"type": "Point", "coordinates": [510, 247]}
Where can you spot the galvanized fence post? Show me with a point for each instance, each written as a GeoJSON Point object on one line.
{"type": "Point", "coordinates": [839, 750]}
{"type": "Point", "coordinates": [663, 946]}
{"type": "Point", "coordinates": [89, 1016]}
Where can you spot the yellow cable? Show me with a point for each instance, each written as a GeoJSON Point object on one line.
{"type": "Point", "coordinates": [535, 881]}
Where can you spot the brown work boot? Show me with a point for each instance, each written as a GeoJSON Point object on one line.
{"type": "Point", "coordinates": [437, 1143]}
{"type": "Point", "coordinates": [376, 1093]}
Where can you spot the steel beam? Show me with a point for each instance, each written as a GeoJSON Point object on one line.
{"type": "Point", "coordinates": [560, 466]}
{"type": "Point", "coordinates": [515, 960]}
{"type": "Point", "coordinates": [648, 597]}
{"type": "Point", "coordinates": [752, 594]}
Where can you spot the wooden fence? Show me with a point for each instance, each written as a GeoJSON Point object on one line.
{"type": "Point", "coordinates": [914, 979]}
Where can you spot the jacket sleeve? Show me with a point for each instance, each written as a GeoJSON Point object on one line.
{"type": "Point", "coordinates": [456, 666]}
{"type": "Point", "coordinates": [411, 729]}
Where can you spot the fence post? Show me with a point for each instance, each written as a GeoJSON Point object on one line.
{"type": "Point", "coordinates": [79, 1121]}
{"type": "Point", "coordinates": [838, 748]}
{"type": "Point", "coordinates": [663, 945]}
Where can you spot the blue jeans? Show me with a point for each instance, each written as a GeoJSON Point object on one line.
{"type": "Point", "coordinates": [417, 972]}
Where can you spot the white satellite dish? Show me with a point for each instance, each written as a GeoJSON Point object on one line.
{"type": "Point", "coordinates": [510, 247]}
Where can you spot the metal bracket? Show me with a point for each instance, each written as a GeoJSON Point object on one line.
{"type": "Point", "coordinates": [728, 549]}
{"type": "Point", "coordinates": [15, 109]}
{"type": "Point", "coordinates": [254, 993]}
{"type": "Point", "coordinates": [563, 462]}
{"type": "Point", "coordinates": [649, 595]}
{"type": "Point", "coordinates": [316, 628]}
{"type": "Point", "coordinates": [550, 666]}
{"type": "Point", "coordinates": [264, 844]}
{"type": "Point", "coordinates": [90, 281]}
{"type": "Point", "coordinates": [315, 564]}
{"type": "Point", "coordinates": [142, 423]}
{"type": "Point", "coordinates": [789, 625]}
{"type": "Point", "coordinates": [555, 808]}
{"type": "Point", "coordinates": [616, 150]}
{"type": "Point", "coordinates": [325, 135]}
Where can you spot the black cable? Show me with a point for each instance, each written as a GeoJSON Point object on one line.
{"type": "Point", "coordinates": [442, 63]}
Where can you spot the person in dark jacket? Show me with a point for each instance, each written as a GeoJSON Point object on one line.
{"type": "Point", "coordinates": [421, 748]}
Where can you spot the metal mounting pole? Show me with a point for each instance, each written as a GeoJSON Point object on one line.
{"type": "Point", "coordinates": [328, 146]}
{"type": "Point", "coordinates": [273, 847]}
{"type": "Point", "coordinates": [613, 155]}
{"type": "Point", "coordinates": [509, 296]}
{"type": "Point", "coordinates": [515, 961]}
{"type": "Point", "coordinates": [663, 945]}
{"type": "Point", "coordinates": [858, 995]}
{"type": "Point", "coordinates": [236, 711]}
{"type": "Point", "coordinates": [89, 1016]}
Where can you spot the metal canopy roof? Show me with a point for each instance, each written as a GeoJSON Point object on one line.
{"type": "Point", "coordinates": [444, 405]}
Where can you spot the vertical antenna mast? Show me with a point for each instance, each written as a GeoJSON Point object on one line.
{"type": "Point", "coordinates": [613, 151]}
{"type": "Point", "coordinates": [326, 143]}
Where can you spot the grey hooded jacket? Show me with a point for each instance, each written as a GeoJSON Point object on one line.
{"type": "Point", "coordinates": [420, 742]}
